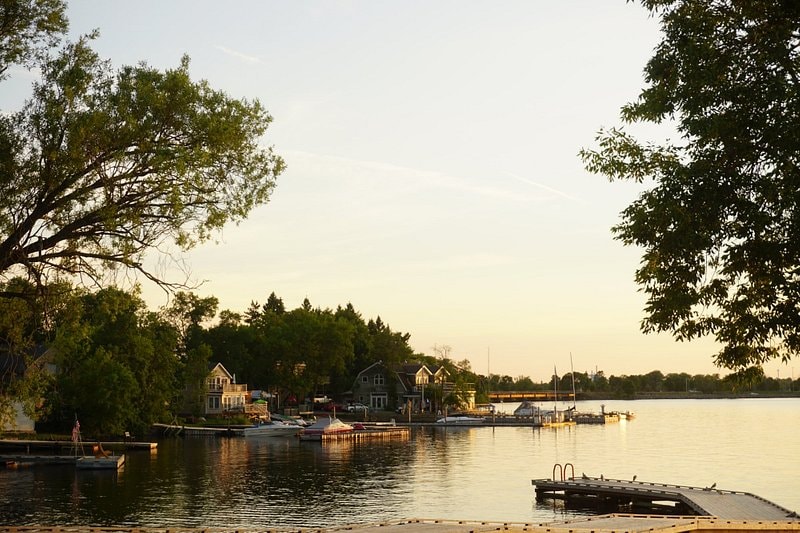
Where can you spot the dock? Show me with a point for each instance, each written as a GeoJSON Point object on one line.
{"type": "Point", "coordinates": [90, 462]}
{"type": "Point", "coordinates": [360, 435]}
{"type": "Point", "coordinates": [81, 462]}
{"type": "Point", "coordinates": [677, 499]}
{"type": "Point", "coordinates": [620, 523]}
{"type": "Point", "coordinates": [32, 445]}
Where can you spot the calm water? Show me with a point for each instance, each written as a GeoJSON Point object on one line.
{"type": "Point", "coordinates": [751, 445]}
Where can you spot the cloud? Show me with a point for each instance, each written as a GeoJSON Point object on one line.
{"type": "Point", "coordinates": [544, 187]}
{"type": "Point", "coordinates": [404, 180]}
{"type": "Point", "coordinates": [238, 55]}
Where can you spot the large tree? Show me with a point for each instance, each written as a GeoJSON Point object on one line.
{"type": "Point", "coordinates": [720, 225]}
{"type": "Point", "coordinates": [103, 165]}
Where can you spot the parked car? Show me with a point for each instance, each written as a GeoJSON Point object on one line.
{"type": "Point", "coordinates": [353, 407]}
{"type": "Point", "coordinates": [332, 406]}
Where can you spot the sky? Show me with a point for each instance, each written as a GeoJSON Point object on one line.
{"type": "Point", "coordinates": [432, 171]}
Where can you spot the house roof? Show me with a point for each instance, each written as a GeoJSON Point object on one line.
{"type": "Point", "coordinates": [373, 365]}
{"type": "Point", "coordinates": [414, 368]}
{"type": "Point", "coordinates": [221, 367]}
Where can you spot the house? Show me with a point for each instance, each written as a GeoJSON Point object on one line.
{"type": "Point", "coordinates": [376, 387]}
{"type": "Point", "coordinates": [413, 379]}
{"type": "Point", "coordinates": [411, 385]}
{"type": "Point", "coordinates": [13, 367]}
{"type": "Point", "coordinates": [223, 394]}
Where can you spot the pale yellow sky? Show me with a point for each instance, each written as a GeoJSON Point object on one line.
{"type": "Point", "coordinates": [433, 177]}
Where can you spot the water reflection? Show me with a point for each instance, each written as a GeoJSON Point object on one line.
{"type": "Point", "coordinates": [449, 473]}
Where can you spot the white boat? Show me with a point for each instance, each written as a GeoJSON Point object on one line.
{"type": "Point", "coordinates": [272, 429]}
{"type": "Point", "coordinates": [461, 420]}
{"type": "Point", "coordinates": [325, 426]}
{"type": "Point", "coordinates": [289, 420]}
{"type": "Point", "coordinates": [527, 408]}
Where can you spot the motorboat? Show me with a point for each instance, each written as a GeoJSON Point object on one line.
{"type": "Point", "coordinates": [527, 408]}
{"type": "Point", "coordinates": [272, 429]}
{"type": "Point", "coordinates": [325, 426]}
{"type": "Point", "coordinates": [461, 420]}
{"type": "Point", "coordinates": [289, 420]}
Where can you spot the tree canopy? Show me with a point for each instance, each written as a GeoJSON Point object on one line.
{"type": "Point", "coordinates": [102, 165]}
{"type": "Point", "coordinates": [719, 227]}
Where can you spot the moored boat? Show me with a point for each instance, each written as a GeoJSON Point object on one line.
{"type": "Point", "coordinates": [272, 429]}
{"type": "Point", "coordinates": [527, 408]}
{"type": "Point", "coordinates": [461, 420]}
{"type": "Point", "coordinates": [325, 426]}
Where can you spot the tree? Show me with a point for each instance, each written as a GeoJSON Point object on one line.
{"type": "Point", "coordinates": [27, 28]}
{"type": "Point", "coordinates": [719, 227]}
{"type": "Point", "coordinates": [187, 312]}
{"type": "Point", "coordinates": [101, 166]}
{"type": "Point", "coordinates": [116, 364]}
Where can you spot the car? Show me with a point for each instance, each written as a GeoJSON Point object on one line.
{"type": "Point", "coordinates": [332, 406]}
{"type": "Point", "coordinates": [353, 407]}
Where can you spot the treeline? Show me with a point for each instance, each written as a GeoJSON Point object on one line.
{"type": "Point", "coordinates": [652, 382]}
{"type": "Point", "coordinates": [105, 358]}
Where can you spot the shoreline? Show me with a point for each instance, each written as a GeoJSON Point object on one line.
{"type": "Point", "coordinates": [685, 395]}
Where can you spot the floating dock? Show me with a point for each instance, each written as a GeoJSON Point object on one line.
{"type": "Point", "coordinates": [360, 435]}
{"type": "Point", "coordinates": [679, 500]}
{"type": "Point", "coordinates": [81, 462]}
{"type": "Point", "coordinates": [90, 462]}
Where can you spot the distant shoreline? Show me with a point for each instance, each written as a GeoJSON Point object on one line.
{"type": "Point", "coordinates": [686, 395]}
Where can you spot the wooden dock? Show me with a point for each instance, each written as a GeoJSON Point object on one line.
{"type": "Point", "coordinates": [683, 500]}
{"type": "Point", "coordinates": [360, 435]}
{"type": "Point", "coordinates": [614, 523]}
{"type": "Point", "coordinates": [32, 445]}
{"type": "Point", "coordinates": [82, 462]}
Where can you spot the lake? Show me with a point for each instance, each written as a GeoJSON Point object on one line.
{"type": "Point", "coordinates": [482, 473]}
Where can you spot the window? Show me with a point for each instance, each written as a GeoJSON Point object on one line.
{"type": "Point", "coordinates": [378, 401]}
{"type": "Point", "coordinates": [364, 379]}
{"type": "Point", "coordinates": [378, 379]}
{"type": "Point", "coordinates": [213, 403]}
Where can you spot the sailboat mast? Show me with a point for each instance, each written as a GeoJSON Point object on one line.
{"type": "Point", "coordinates": [555, 393]}
{"type": "Point", "coordinates": [572, 371]}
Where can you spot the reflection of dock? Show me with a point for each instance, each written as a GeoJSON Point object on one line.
{"type": "Point", "coordinates": [676, 499]}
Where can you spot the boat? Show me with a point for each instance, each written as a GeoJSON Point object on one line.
{"type": "Point", "coordinates": [325, 426]}
{"type": "Point", "coordinates": [276, 417]}
{"type": "Point", "coordinates": [527, 408]}
{"type": "Point", "coordinates": [272, 429]}
{"type": "Point", "coordinates": [461, 420]}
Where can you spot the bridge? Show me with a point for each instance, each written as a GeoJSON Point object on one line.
{"type": "Point", "coordinates": [534, 396]}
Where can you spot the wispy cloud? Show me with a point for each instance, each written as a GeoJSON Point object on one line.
{"type": "Point", "coordinates": [238, 55]}
{"type": "Point", "coordinates": [404, 179]}
{"type": "Point", "coordinates": [544, 187]}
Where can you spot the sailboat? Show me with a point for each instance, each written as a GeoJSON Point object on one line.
{"type": "Point", "coordinates": [557, 419]}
